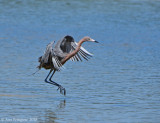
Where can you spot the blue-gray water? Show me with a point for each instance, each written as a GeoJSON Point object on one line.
{"type": "Point", "coordinates": [121, 83]}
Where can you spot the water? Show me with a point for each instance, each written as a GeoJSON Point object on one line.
{"type": "Point", "coordinates": [119, 84]}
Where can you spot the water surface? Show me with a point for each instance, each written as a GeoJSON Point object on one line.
{"type": "Point", "coordinates": [119, 84]}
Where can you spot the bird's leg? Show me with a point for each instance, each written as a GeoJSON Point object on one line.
{"type": "Point", "coordinates": [62, 90]}
{"type": "Point", "coordinates": [48, 76]}
{"type": "Point", "coordinates": [50, 81]}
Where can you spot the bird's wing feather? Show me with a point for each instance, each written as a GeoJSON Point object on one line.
{"type": "Point", "coordinates": [49, 55]}
{"type": "Point", "coordinates": [67, 45]}
{"type": "Point", "coordinates": [81, 53]}
{"type": "Point", "coordinates": [47, 52]}
{"type": "Point", "coordinates": [82, 49]}
{"type": "Point", "coordinates": [57, 64]}
{"type": "Point", "coordinates": [63, 46]}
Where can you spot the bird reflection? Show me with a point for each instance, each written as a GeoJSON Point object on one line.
{"type": "Point", "coordinates": [51, 116]}
{"type": "Point", "coordinates": [62, 104]}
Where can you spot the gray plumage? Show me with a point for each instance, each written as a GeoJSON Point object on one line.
{"type": "Point", "coordinates": [54, 54]}
{"type": "Point", "coordinates": [57, 54]}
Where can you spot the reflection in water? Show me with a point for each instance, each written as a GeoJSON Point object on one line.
{"type": "Point", "coordinates": [51, 116]}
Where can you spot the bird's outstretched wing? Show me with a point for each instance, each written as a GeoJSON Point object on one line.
{"type": "Point", "coordinates": [57, 64]}
{"type": "Point", "coordinates": [63, 47]}
{"type": "Point", "coordinates": [50, 57]}
{"type": "Point", "coordinates": [67, 45]}
{"type": "Point", "coordinates": [81, 53]}
{"type": "Point", "coordinates": [45, 58]}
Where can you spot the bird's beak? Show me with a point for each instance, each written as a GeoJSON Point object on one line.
{"type": "Point", "coordinates": [94, 41]}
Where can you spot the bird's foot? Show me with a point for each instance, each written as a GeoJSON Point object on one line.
{"type": "Point", "coordinates": [62, 90]}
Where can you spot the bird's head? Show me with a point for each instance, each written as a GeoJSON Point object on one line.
{"type": "Point", "coordinates": [87, 38]}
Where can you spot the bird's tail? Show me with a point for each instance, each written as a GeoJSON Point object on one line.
{"type": "Point", "coordinates": [39, 59]}
{"type": "Point", "coordinates": [40, 65]}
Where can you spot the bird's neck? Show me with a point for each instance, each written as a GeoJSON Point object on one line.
{"type": "Point", "coordinates": [74, 52]}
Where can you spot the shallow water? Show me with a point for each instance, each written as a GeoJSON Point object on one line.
{"type": "Point", "coordinates": [119, 84]}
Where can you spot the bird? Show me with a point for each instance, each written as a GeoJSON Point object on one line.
{"type": "Point", "coordinates": [56, 55]}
